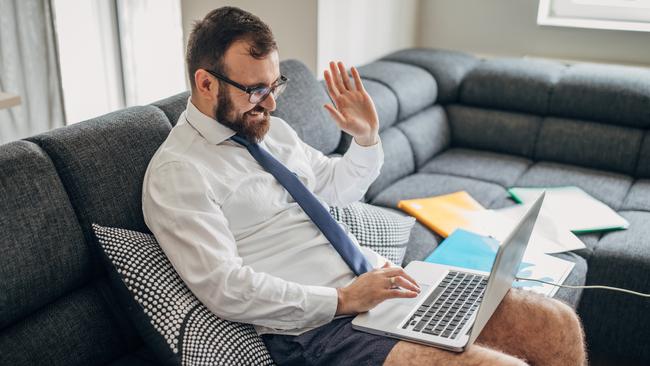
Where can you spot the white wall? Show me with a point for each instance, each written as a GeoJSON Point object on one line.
{"type": "Point", "coordinates": [509, 27]}
{"type": "Point", "coordinates": [359, 31]}
{"type": "Point", "coordinates": [294, 23]}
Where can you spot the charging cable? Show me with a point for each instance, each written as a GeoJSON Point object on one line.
{"type": "Point", "coordinates": [587, 287]}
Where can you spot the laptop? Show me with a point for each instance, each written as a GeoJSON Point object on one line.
{"type": "Point", "coordinates": [454, 303]}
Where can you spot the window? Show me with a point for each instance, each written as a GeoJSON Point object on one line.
{"type": "Point", "coordinates": [631, 15]}
{"type": "Point", "coordinates": [117, 53]}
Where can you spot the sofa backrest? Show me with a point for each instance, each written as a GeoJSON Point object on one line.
{"type": "Point", "coordinates": [57, 307]}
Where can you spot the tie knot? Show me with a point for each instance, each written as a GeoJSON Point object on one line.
{"type": "Point", "coordinates": [241, 140]}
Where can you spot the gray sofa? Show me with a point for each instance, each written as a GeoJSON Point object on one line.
{"type": "Point", "coordinates": [449, 122]}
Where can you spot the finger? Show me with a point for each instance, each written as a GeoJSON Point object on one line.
{"type": "Point", "coordinates": [357, 79]}
{"type": "Point", "coordinates": [331, 88]}
{"type": "Point", "coordinates": [386, 265]}
{"type": "Point", "coordinates": [399, 271]}
{"type": "Point", "coordinates": [338, 117]}
{"type": "Point", "coordinates": [336, 77]}
{"type": "Point", "coordinates": [406, 284]}
{"type": "Point", "coordinates": [399, 293]}
{"type": "Point", "coordinates": [344, 76]}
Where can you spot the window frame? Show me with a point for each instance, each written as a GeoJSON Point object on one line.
{"type": "Point", "coordinates": [546, 17]}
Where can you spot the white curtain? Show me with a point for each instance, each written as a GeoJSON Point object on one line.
{"type": "Point", "coordinates": [28, 67]}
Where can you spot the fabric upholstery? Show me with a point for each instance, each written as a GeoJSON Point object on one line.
{"type": "Point", "coordinates": [621, 259]}
{"type": "Point", "coordinates": [499, 131]}
{"type": "Point", "coordinates": [175, 324]}
{"type": "Point", "coordinates": [102, 163]}
{"type": "Point", "coordinates": [301, 106]}
{"type": "Point", "coordinates": [617, 95]}
{"type": "Point", "coordinates": [522, 85]}
{"type": "Point", "coordinates": [173, 106]}
{"type": "Point", "coordinates": [414, 87]}
{"type": "Point", "coordinates": [643, 164]}
{"type": "Point", "coordinates": [398, 160]}
{"type": "Point", "coordinates": [638, 198]}
{"type": "Point", "coordinates": [608, 187]}
{"type": "Point", "coordinates": [484, 165]}
{"type": "Point", "coordinates": [589, 144]}
{"type": "Point", "coordinates": [385, 102]}
{"type": "Point", "coordinates": [426, 185]}
{"type": "Point", "coordinates": [77, 329]}
{"type": "Point", "coordinates": [427, 132]}
{"type": "Point", "coordinates": [42, 250]}
{"type": "Point", "coordinates": [447, 67]}
{"type": "Point", "coordinates": [376, 228]}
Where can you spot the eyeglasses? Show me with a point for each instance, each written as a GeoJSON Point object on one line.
{"type": "Point", "coordinates": [256, 94]}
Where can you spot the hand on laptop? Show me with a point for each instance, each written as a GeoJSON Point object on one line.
{"type": "Point", "coordinates": [372, 288]}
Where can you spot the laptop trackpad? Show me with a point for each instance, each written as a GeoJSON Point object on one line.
{"type": "Point", "coordinates": [409, 301]}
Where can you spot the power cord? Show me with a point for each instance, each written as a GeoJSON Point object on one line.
{"type": "Point", "coordinates": [587, 287]}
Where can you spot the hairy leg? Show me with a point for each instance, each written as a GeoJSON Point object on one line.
{"type": "Point", "coordinates": [407, 353]}
{"type": "Point", "coordinates": [539, 329]}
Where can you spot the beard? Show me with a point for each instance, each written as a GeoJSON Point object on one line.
{"type": "Point", "coordinates": [253, 124]}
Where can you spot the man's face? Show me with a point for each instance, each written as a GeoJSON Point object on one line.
{"type": "Point", "coordinates": [233, 108]}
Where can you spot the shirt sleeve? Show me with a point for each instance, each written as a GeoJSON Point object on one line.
{"type": "Point", "coordinates": [343, 180]}
{"type": "Point", "coordinates": [181, 211]}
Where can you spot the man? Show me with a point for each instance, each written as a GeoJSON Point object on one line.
{"type": "Point", "coordinates": [252, 254]}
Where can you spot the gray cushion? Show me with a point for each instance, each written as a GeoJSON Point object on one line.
{"type": "Point", "coordinates": [513, 84]}
{"type": "Point", "coordinates": [638, 198]}
{"type": "Point", "coordinates": [428, 185]}
{"type": "Point", "coordinates": [484, 165]}
{"type": "Point", "coordinates": [643, 164]}
{"type": "Point", "coordinates": [607, 93]}
{"type": "Point", "coordinates": [500, 131]}
{"type": "Point", "coordinates": [447, 67]}
{"type": "Point", "coordinates": [608, 187]}
{"type": "Point", "coordinates": [42, 251]}
{"type": "Point", "coordinates": [414, 87]}
{"type": "Point", "coordinates": [376, 228]}
{"type": "Point", "coordinates": [385, 102]}
{"type": "Point", "coordinates": [615, 321]}
{"type": "Point", "coordinates": [428, 132]}
{"type": "Point", "coordinates": [102, 162]}
{"type": "Point", "coordinates": [77, 329]}
{"type": "Point", "coordinates": [589, 144]}
{"type": "Point", "coordinates": [301, 106]}
{"type": "Point", "coordinates": [173, 106]}
{"type": "Point", "coordinates": [398, 160]}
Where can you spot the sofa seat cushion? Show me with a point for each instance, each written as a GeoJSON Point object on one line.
{"type": "Point", "coordinates": [423, 185]}
{"type": "Point", "coordinates": [140, 357]}
{"type": "Point", "coordinates": [621, 259]}
{"type": "Point", "coordinates": [638, 198]}
{"type": "Point", "coordinates": [610, 188]}
{"type": "Point", "coordinates": [488, 166]}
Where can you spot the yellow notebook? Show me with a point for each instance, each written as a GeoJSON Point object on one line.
{"type": "Point", "coordinates": [443, 214]}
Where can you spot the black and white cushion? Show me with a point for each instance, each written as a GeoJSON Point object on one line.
{"type": "Point", "coordinates": [385, 232]}
{"type": "Point", "coordinates": [185, 332]}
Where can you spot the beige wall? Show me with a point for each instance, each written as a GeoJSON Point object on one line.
{"type": "Point", "coordinates": [509, 27]}
{"type": "Point", "coordinates": [359, 31]}
{"type": "Point", "coordinates": [293, 22]}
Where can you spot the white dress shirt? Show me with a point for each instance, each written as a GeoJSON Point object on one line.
{"type": "Point", "coordinates": [237, 238]}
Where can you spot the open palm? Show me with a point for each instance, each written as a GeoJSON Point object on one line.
{"type": "Point", "coordinates": [353, 109]}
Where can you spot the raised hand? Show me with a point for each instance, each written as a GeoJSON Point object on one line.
{"type": "Point", "coordinates": [353, 109]}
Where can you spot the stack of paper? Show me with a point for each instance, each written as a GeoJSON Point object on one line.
{"type": "Point", "coordinates": [573, 208]}
{"type": "Point", "coordinates": [469, 250]}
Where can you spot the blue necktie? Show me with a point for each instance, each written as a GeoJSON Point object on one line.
{"type": "Point", "coordinates": [312, 207]}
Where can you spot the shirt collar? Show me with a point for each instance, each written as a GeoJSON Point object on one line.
{"type": "Point", "coordinates": [208, 127]}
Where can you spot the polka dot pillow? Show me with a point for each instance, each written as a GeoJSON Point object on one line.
{"type": "Point", "coordinates": [184, 331]}
{"type": "Point", "coordinates": [381, 230]}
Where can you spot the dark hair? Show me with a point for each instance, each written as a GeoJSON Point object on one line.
{"type": "Point", "coordinates": [211, 37]}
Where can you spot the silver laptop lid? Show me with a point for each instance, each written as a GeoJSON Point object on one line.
{"type": "Point", "coordinates": [505, 267]}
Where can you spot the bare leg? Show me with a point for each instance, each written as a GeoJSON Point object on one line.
{"type": "Point", "coordinates": [407, 353]}
{"type": "Point", "coordinates": [539, 329]}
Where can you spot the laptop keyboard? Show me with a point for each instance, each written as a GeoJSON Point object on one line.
{"type": "Point", "coordinates": [449, 306]}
